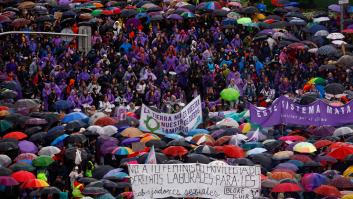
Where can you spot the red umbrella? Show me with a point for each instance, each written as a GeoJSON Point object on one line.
{"type": "Point", "coordinates": [341, 153]}
{"type": "Point", "coordinates": [175, 151]}
{"type": "Point", "coordinates": [232, 151]}
{"type": "Point", "coordinates": [4, 19]}
{"type": "Point", "coordinates": [105, 121]}
{"type": "Point", "coordinates": [286, 187]}
{"type": "Point", "coordinates": [34, 183]}
{"type": "Point", "coordinates": [23, 176]}
{"type": "Point", "coordinates": [16, 135]}
{"type": "Point", "coordinates": [322, 143]}
{"type": "Point", "coordinates": [302, 158]}
{"type": "Point", "coordinates": [20, 22]}
{"type": "Point", "coordinates": [222, 140]}
{"type": "Point", "coordinates": [327, 190]}
{"type": "Point", "coordinates": [293, 138]}
{"type": "Point", "coordinates": [347, 31]}
{"type": "Point", "coordinates": [297, 45]}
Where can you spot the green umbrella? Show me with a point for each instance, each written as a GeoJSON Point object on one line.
{"type": "Point", "coordinates": [5, 125]}
{"type": "Point", "coordinates": [244, 20]}
{"type": "Point", "coordinates": [97, 12]}
{"type": "Point", "coordinates": [22, 166]}
{"type": "Point", "coordinates": [230, 94]}
{"type": "Point", "coordinates": [42, 161]}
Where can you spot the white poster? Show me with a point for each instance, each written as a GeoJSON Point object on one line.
{"type": "Point", "coordinates": [195, 180]}
{"type": "Point", "coordinates": [188, 118]}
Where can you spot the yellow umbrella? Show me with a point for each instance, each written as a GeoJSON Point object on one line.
{"type": "Point", "coordinates": [350, 196]}
{"type": "Point", "coordinates": [304, 147]}
{"type": "Point", "coordinates": [260, 16]}
{"type": "Point", "coordinates": [348, 172]}
{"type": "Point", "coordinates": [132, 132]}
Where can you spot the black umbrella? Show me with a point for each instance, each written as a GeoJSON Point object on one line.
{"type": "Point", "coordinates": [157, 18]}
{"type": "Point", "coordinates": [122, 185]}
{"type": "Point", "coordinates": [68, 14]}
{"type": "Point", "coordinates": [70, 154]}
{"type": "Point", "coordinates": [180, 142]}
{"type": "Point", "coordinates": [334, 88]}
{"type": "Point", "coordinates": [101, 170]}
{"type": "Point", "coordinates": [321, 13]}
{"type": "Point", "coordinates": [264, 159]}
{"type": "Point", "coordinates": [38, 137]}
{"type": "Point", "coordinates": [33, 130]}
{"type": "Point", "coordinates": [220, 13]}
{"type": "Point", "coordinates": [174, 162]}
{"type": "Point", "coordinates": [156, 143]}
{"type": "Point", "coordinates": [280, 10]}
{"type": "Point", "coordinates": [103, 183]}
{"type": "Point", "coordinates": [40, 10]}
{"type": "Point", "coordinates": [161, 158]}
{"type": "Point", "coordinates": [49, 137]}
{"type": "Point", "coordinates": [308, 98]}
{"type": "Point", "coordinates": [240, 161]}
{"type": "Point", "coordinates": [345, 61]}
{"type": "Point", "coordinates": [7, 146]}
{"type": "Point", "coordinates": [76, 138]}
{"type": "Point", "coordinates": [327, 67]}
{"type": "Point", "coordinates": [249, 10]}
{"type": "Point", "coordinates": [75, 125]}
{"type": "Point", "coordinates": [205, 149]}
{"type": "Point", "coordinates": [272, 146]}
{"type": "Point", "coordinates": [49, 191]}
{"type": "Point", "coordinates": [86, 180]}
{"type": "Point", "coordinates": [128, 13]}
{"type": "Point", "coordinates": [60, 7]}
{"type": "Point", "coordinates": [260, 38]}
{"type": "Point", "coordinates": [296, 14]}
{"type": "Point", "coordinates": [328, 50]}
{"type": "Point", "coordinates": [67, 22]}
{"type": "Point", "coordinates": [12, 9]}
{"type": "Point", "coordinates": [94, 191]}
{"type": "Point", "coordinates": [44, 18]}
{"type": "Point", "coordinates": [5, 171]}
{"type": "Point", "coordinates": [197, 158]}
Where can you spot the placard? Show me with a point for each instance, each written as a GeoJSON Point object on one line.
{"type": "Point", "coordinates": [195, 180]}
{"type": "Point", "coordinates": [188, 118]}
{"type": "Point", "coordinates": [286, 111]}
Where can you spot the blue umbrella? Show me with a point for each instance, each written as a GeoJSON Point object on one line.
{"type": "Point", "coordinates": [198, 131]}
{"type": "Point", "coordinates": [262, 7]}
{"type": "Point", "coordinates": [129, 141]}
{"type": "Point", "coordinates": [173, 136]}
{"type": "Point", "coordinates": [289, 166]}
{"type": "Point", "coordinates": [62, 105]}
{"type": "Point", "coordinates": [56, 129]}
{"type": "Point", "coordinates": [296, 163]}
{"type": "Point", "coordinates": [141, 15]}
{"type": "Point", "coordinates": [59, 139]}
{"type": "Point", "coordinates": [317, 27]}
{"type": "Point", "coordinates": [75, 116]}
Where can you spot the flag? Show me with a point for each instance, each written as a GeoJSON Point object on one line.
{"type": "Point", "coordinates": [151, 158]}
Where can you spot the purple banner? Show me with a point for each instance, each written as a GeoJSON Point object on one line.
{"type": "Point", "coordinates": [286, 111]}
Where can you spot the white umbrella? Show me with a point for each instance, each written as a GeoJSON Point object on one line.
{"type": "Point", "coordinates": [96, 129]}
{"type": "Point", "coordinates": [218, 163]}
{"type": "Point", "coordinates": [237, 139]}
{"type": "Point", "coordinates": [343, 131]}
{"type": "Point", "coordinates": [335, 35]}
{"type": "Point", "coordinates": [49, 150]}
{"type": "Point", "coordinates": [228, 122]}
{"type": "Point", "coordinates": [321, 19]}
{"type": "Point", "coordinates": [5, 160]}
{"type": "Point", "coordinates": [256, 151]}
{"type": "Point", "coordinates": [339, 42]}
{"type": "Point", "coordinates": [313, 50]}
{"type": "Point", "coordinates": [322, 33]}
{"type": "Point", "coordinates": [96, 116]}
{"type": "Point", "coordinates": [109, 130]}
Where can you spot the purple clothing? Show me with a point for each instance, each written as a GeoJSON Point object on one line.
{"type": "Point", "coordinates": [83, 76]}
{"type": "Point", "coordinates": [170, 62]}
{"type": "Point", "coordinates": [236, 43]}
{"type": "Point", "coordinates": [153, 99]}
{"type": "Point", "coordinates": [74, 101]}
{"type": "Point", "coordinates": [11, 67]}
{"type": "Point", "coordinates": [85, 100]}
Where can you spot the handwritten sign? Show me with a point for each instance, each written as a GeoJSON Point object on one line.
{"type": "Point", "coordinates": [188, 118]}
{"type": "Point", "coordinates": [195, 180]}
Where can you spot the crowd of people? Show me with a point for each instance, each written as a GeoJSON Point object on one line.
{"type": "Point", "coordinates": [162, 54]}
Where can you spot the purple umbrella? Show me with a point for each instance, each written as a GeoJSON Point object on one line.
{"type": "Point", "coordinates": [289, 166]}
{"type": "Point", "coordinates": [129, 141]}
{"type": "Point", "coordinates": [217, 133]}
{"type": "Point", "coordinates": [64, 2]}
{"type": "Point", "coordinates": [350, 26]}
{"type": "Point", "coordinates": [36, 121]}
{"type": "Point", "coordinates": [290, 146]}
{"type": "Point", "coordinates": [175, 17]}
{"type": "Point", "coordinates": [8, 181]}
{"type": "Point", "coordinates": [134, 22]}
{"type": "Point", "coordinates": [267, 32]}
{"type": "Point", "coordinates": [323, 131]}
{"type": "Point", "coordinates": [27, 147]}
{"type": "Point", "coordinates": [334, 8]}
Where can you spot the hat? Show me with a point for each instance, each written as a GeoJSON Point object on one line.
{"type": "Point", "coordinates": [76, 168]}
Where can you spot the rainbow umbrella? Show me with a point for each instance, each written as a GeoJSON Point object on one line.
{"type": "Point", "coordinates": [304, 147]}
{"type": "Point", "coordinates": [148, 137]}
{"type": "Point", "coordinates": [122, 151]}
{"type": "Point", "coordinates": [245, 127]}
{"type": "Point", "coordinates": [317, 81]}
{"type": "Point", "coordinates": [34, 183]}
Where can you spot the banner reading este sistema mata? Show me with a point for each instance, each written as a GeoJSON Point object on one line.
{"type": "Point", "coordinates": [185, 120]}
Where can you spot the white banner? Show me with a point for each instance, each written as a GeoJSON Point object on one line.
{"type": "Point", "coordinates": [188, 118]}
{"type": "Point", "coordinates": [195, 180]}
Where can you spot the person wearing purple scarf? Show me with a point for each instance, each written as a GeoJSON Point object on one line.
{"type": "Point", "coordinates": [83, 75]}
{"type": "Point", "coordinates": [11, 66]}
{"type": "Point", "coordinates": [165, 84]}
{"type": "Point", "coordinates": [110, 95]}
{"type": "Point", "coordinates": [236, 42]}
{"type": "Point", "coordinates": [73, 99]}
{"type": "Point", "coordinates": [56, 90]}
{"type": "Point", "coordinates": [45, 95]}
{"type": "Point", "coordinates": [85, 98]}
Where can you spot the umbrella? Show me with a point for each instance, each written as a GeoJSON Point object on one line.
{"type": "Point", "coordinates": [197, 158]}
{"type": "Point", "coordinates": [156, 143]}
{"type": "Point", "coordinates": [58, 140]}
{"type": "Point", "coordinates": [304, 147]}
{"type": "Point", "coordinates": [71, 153]}
{"type": "Point", "coordinates": [122, 151]}
{"type": "Point", "coordinates": [321, 19]}
{"type": "Point", "coordinates": [286, 187]}
{"type": "Point", "coordinates": [43, 161]}
{"type": "Point", "coordinates": [288, 166]}
{"type": "Point", "coordinates": [34, 183]}
{"type": "Point", "coordinates": [175, 17]}
{"type": "Point", "coordinates": [49, 151]}
{"type": "Point", "coordinates": [36, 121]}
{"type": "Point", "coordinates": [20, 22]}
{"type": "Point", "coordinates": [161, 158]}
{"type": "Point", "coordinates": [101, 170]}
{"type": "Point", "coordinates": [179, 142]}
{"type": "Point", "coordinates": [269, 183]}
{"type": "Point", "coordinates": [5, 125]}
{"type": "Point", "coordinates": [341, 182]}
{"type": "Point", "coordinates": [334, 89]}
{"type": "Point", "coordinates": [8, 181]}
{"type": "Point", "coordinates": [279, 175]}
{"type": "Point", "coordinates": [94, 191]}
{"type": "Point", "coordinates": [131, 132]}
{"type": "Point", "coordinates": [327, 67]}
{"type": "Point", "coordinates": [282, 155]}
{"type": "Point", "coordinates": [244, 20]}
{"type": "Point", "coordinates": [117, 173]}
{"type": "Point", "coordinates": [322, 143]}
{"type": "Point", "coordinates": [50, 191]}
{"type": "Point", "coordinates": [15, 135]}
{"type": "Point", "coordinates": [232, 151]}
{"type": "Point", "coordinates": [334, 8]}
{"type": "Point", "coordinates": [127, 13]}
{"type": "Point", "coordinates": [345, 61]}
{"type": "Point", "coordinates": [22, 176]}
{"type": "Point", "coordinates": [62, 105]}
{"type": "Point", "coordinates": [5, 160]}
{"type": "Point", "coordinates": [342, 131]}
{"type": "Point", "coordinates": [22, 166]}
{"type": "Point", "coordinates": [74, 116]}
{"type": "Point", "coordinates": [129, 141]}
{"type": "Point", "coordinates": [327, 190]}
{"type": "Point", "coordinates": [311, 181]}
{"type": "Point", "coordinates": [105, 121]}
{"type": "Point", "coordinates": [341, 153]}
{"type": "Point", "coordinates": [4, 19]}
{"type": "Point", "coordinates": [5, 171]}
{"type": "Point", "coordinates": [335, 36]}
{"type": "Point", "coordinates": [204, 149]}
{"type": "Point", "coordinates": [327, 50]}
{"type": "Point", "coordinates": [27, 147]}
{"type": "Point", "coordinates": [26, 5]}
{"type": "Point", "coordinates": [175, 151]}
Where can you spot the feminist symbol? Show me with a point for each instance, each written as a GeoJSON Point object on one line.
{"type": "Point", "coordinates": [150, 119]}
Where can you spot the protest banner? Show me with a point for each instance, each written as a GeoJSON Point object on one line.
{"type": "Point", "coordinates": [185, 120]}
{"type": "Point", "coordinates": [195, 180]}
{"type": "Point", "coordinates": [286, 111]}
